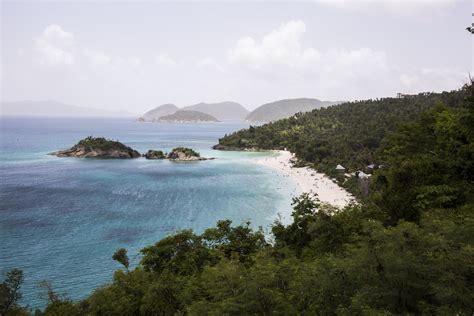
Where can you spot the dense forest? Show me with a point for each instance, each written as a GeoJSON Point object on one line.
{"type": "Point", "coordinates": [408, 248]}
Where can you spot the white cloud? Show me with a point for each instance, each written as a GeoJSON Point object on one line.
{"type": "Point", "coordinates": [165, 60]}
{"type": "Point", "coordinates": [280, 59]}
{"type": "Point", "coordinates": [433, 79]}
{"type": "Point", "coordinates": [134, 61]}
{"type": "Point", "coordinates": [280, 53]}
{"type": "Point", "coordinates": [279, 46]}
{"type": "Point", "coordinates": [54, 47]}
{"type": "Point", "coordinates": [97, 58]}
{"type": "Point", "coordinates": [254, 70]}
{"type": "Point", "coordinates": [210, 64]}
{"type": "Point", "coordinates": [397, 7]}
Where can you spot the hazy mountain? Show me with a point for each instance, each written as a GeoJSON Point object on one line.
{"type": "Point", "coordinates": [188, 116]}
{"type": "Point", "coordinates": [156, 113]}
{"type": "Point", "coordinates": [285, 108]}
{"type": "Point", "coordinates": [222, 110]}
{"type": "Point", "coordinates": [53, 108]}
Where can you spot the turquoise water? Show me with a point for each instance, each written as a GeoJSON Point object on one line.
{"type": "Point", "coordinates": [61, 219]}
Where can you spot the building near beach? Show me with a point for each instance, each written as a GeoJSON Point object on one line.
{"type": "Point", "coordinates": [340, 169]}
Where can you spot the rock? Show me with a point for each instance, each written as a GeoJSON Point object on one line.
{"type": "Point", "coordinates": [99, 148]}
{"type": "Point", "coordinates": [154, 154]}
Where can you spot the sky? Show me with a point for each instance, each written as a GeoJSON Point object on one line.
{"type": "Point", "coordinates": [133, 56]}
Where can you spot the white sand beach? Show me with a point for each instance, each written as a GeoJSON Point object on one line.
{"type": "Point", "coordinates": [308, 180]}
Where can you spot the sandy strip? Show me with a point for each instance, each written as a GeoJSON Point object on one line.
{"type": "Point", "coordinates": [308, 180]}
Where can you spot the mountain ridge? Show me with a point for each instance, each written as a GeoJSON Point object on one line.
{"type": "Point", "coordinates": [221, 111]}
{"type": "Point", "coordinates": [227, 110]}
{"type": "Point", "coordinates": [285, 108]}
{"type": "Point", "coordinates": [161, 110]}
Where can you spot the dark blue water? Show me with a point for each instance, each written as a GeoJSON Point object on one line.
{"type": "Point", "coordinates": [61, 219]}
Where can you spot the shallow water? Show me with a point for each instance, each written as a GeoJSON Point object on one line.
{"type": "Point", "coordinates": [62, 218]}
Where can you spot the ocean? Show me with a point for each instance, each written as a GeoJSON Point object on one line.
{"type": "Point", "coordinates": [61, 219]}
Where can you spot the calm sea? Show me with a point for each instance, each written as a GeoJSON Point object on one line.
{"type": "Point", "coordinates": [61, 219]}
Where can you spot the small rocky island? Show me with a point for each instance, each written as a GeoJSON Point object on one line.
{"type": "Point", "coordinates": [99, 148]}
{"type": "Point", "coordinates": [185, 154]}
{"type": "Point", "coordinates": [154, 154]}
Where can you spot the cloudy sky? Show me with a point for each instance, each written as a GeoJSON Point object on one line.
{"type": "Point", "coordinates": [134, 56]}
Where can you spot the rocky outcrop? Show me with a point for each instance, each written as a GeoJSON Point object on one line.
{"type": "Point", "coordinates": [99, 148]}
{"type": "Point", "coordinates": [154, 154]}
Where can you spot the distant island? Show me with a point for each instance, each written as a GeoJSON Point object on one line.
{"type": "Point", "coordinates": [281, 109]}
{"type": "Point", "coordinates": [155, 114]}
{"type": "Point", "coordinates": [102, 148]}
{"type": "Point", "coordinates": [223, 111]}
{"type": "Point", "coordinates": [230, 111]}
{"type": "Point", "coordinates": [183, 116]}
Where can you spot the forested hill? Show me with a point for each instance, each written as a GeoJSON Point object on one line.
{"type": "Point", "coordinates": [346, 134]}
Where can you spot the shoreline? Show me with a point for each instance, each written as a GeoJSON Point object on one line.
{"type": "Point", "coordinates": [308, 180]}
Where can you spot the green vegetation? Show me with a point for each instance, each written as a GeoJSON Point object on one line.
{"type": "Point", "coordinates": [121, 257]}
{"type": "Point", "coordinates": [101, 143]}
{"type": "Point", "coordinates": [408, 249]}
{"type": "Point", "coordinates": [10, 294]}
